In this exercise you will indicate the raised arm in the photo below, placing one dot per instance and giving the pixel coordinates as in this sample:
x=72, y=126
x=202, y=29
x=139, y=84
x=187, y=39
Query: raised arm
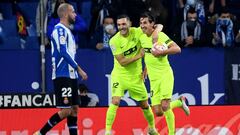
x=158, y=28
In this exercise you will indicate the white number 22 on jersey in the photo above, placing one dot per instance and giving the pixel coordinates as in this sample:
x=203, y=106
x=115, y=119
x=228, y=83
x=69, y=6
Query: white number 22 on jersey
x=66, y=92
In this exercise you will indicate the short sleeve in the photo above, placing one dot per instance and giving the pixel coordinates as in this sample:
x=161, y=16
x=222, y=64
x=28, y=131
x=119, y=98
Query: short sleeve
x=164, y=39
x=114, y=45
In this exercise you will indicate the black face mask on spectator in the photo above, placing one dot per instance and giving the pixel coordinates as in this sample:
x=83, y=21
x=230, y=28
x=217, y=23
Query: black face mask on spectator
x=191, y=24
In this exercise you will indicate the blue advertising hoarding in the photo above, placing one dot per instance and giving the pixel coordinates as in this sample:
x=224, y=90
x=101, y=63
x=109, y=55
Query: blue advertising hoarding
x=232, y=75
x=19, y=71
x=199, y=74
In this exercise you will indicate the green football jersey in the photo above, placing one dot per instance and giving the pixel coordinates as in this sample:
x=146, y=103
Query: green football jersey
x=155, y=65
x=128, y=46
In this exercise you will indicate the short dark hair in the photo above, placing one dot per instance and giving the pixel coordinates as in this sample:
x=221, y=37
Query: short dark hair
x=148, y=15
x=123, y=16
x=224, y=10
x=82, y=88
x=192, y=10
x=107, y=17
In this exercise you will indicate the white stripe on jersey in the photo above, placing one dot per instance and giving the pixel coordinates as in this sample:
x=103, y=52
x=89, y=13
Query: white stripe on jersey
x=61, y=67
x=53, y=68
x=60, y=61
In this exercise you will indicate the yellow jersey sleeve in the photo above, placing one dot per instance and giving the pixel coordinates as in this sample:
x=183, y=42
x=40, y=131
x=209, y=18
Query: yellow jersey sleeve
x=164, y=39
x=114, y=45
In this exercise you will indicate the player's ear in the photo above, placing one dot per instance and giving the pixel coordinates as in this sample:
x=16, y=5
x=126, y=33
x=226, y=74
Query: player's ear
x=153, y=25
x=65, y=14
x=129, y=23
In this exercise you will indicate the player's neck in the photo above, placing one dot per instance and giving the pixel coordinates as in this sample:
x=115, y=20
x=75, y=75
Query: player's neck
x=125, y=35
x=65, y=23
x=150, y=32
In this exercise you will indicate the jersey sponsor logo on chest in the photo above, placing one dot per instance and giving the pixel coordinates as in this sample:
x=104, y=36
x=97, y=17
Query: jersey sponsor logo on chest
x=129, y=51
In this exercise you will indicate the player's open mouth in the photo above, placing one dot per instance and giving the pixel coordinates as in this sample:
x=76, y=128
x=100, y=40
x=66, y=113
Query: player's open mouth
x=144, y=29
x=123, y=30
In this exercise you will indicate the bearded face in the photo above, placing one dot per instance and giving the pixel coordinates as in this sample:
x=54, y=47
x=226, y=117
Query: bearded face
x=71, y=20
x=123, y=25
x=71, y=15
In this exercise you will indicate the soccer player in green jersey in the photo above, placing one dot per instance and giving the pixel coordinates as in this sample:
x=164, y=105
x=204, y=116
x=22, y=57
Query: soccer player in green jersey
x=160, y=72
x=127, y=72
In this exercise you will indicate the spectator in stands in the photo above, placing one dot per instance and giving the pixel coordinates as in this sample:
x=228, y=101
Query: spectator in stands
x=191, y=31
x=224, y=35
x=86, y=98
x=157, y=9
x=134, y=8
x=213, y=8
x=215, y=5
x=210, y=28
x=100, y=38
x=199, y=8
x=102, y=8
x=79, y=28
x=48, y=8
x=22, y=23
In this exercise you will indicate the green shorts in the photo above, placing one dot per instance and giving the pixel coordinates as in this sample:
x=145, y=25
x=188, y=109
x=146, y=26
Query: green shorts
x=162, y=88
x=134, y=85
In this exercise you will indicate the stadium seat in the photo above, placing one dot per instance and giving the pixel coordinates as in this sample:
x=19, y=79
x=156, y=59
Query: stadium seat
x=6, y=9
x=9, y=27
x=32, y=43
x=29, y=10
x=11, y=43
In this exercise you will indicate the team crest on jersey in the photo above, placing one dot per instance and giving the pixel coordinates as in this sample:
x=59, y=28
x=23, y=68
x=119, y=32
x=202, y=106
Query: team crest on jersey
x=66, y=101
x=62, y=40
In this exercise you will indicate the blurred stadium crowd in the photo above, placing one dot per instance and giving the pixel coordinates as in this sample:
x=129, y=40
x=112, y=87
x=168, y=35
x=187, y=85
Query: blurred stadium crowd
x=192, y=23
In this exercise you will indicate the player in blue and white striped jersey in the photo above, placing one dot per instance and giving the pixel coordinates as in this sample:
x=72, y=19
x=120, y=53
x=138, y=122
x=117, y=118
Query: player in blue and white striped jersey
x=65, y=72
x=63, y=53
